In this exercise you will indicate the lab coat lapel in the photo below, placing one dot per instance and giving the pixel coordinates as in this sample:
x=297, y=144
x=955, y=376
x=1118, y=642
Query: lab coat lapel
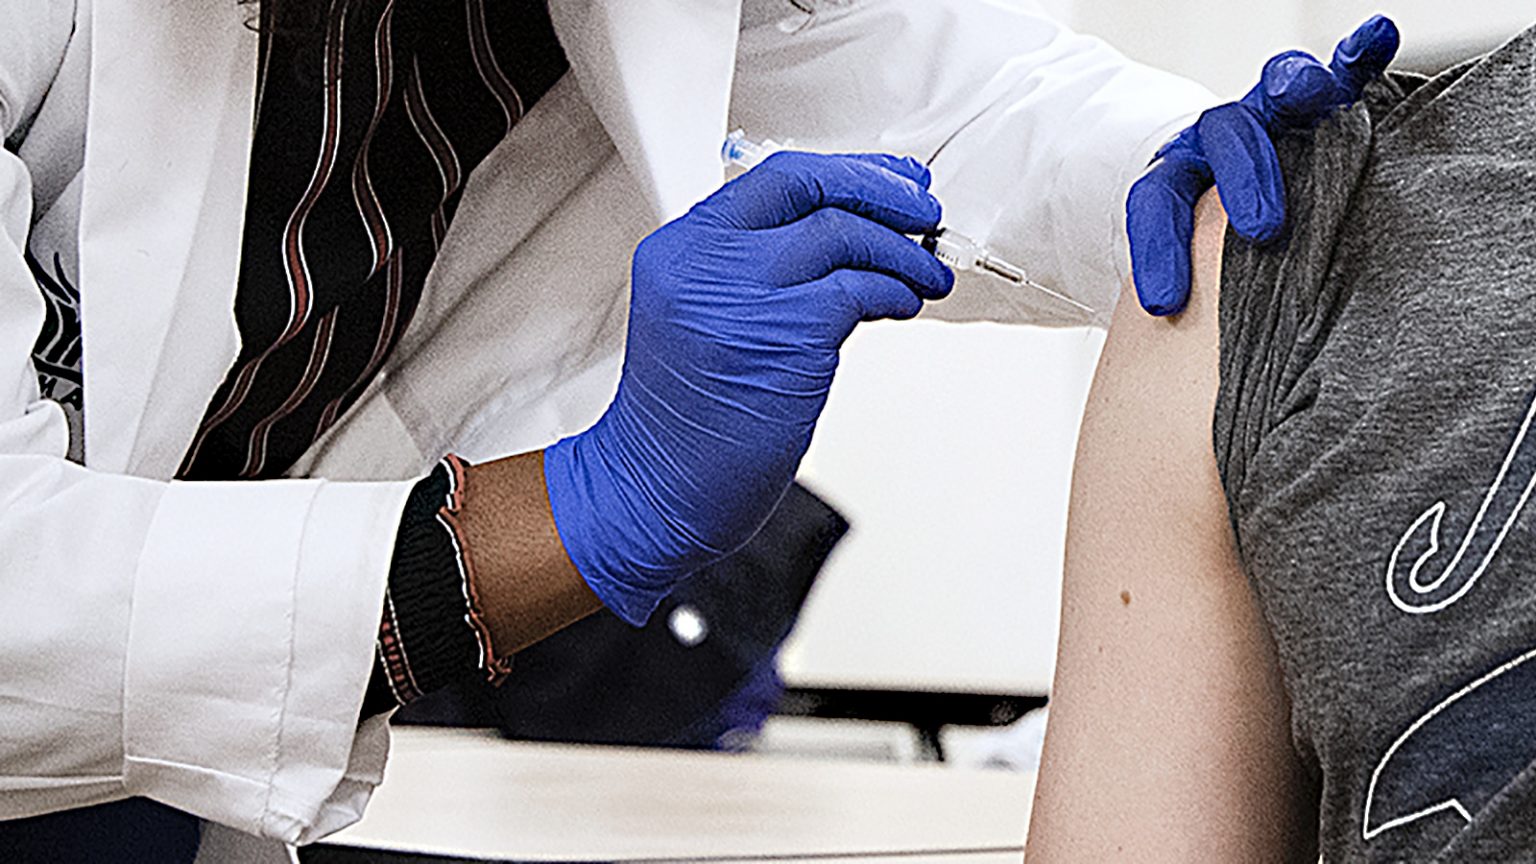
x=169, y=133
x=658, y=74
x=167, y=151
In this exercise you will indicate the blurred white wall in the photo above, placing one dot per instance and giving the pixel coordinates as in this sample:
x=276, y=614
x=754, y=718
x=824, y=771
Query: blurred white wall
x=949, y=448
x=1221, y=43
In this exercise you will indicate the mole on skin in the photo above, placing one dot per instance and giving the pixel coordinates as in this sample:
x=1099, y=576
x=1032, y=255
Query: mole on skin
x=1125, y=598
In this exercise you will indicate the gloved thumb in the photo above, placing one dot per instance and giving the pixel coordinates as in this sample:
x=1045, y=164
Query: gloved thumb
x=1160, y=220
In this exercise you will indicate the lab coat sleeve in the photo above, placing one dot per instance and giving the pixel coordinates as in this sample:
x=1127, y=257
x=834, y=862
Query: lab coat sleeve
x=206, y=645
x=1034, y=133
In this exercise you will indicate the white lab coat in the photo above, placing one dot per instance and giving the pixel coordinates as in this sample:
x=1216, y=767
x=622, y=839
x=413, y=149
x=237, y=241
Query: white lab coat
x=207, y=644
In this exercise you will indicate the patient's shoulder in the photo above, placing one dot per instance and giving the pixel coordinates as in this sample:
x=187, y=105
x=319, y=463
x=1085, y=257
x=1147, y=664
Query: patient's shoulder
x=1174, y=355
x=1147, y=423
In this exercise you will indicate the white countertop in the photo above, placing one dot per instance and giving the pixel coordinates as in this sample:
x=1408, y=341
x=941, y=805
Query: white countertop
x=452, y=792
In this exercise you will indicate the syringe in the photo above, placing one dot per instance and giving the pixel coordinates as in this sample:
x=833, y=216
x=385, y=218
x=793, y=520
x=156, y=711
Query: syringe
x=951, y=247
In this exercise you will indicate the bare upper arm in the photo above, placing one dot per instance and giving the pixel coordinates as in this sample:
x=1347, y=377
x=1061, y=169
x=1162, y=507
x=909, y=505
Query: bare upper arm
x=1169, y=736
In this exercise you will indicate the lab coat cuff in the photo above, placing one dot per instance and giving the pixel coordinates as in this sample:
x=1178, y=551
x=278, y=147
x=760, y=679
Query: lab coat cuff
x=250, y=645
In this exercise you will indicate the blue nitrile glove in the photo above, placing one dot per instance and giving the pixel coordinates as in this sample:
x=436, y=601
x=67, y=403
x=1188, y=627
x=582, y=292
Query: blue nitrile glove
x=1230, y=146
x=737, y=313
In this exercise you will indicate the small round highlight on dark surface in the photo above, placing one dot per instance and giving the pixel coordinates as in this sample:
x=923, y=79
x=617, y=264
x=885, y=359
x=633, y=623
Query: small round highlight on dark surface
x=1125, y=598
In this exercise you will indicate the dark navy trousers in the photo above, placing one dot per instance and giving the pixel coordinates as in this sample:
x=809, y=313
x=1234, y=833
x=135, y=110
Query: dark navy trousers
x=135, y=831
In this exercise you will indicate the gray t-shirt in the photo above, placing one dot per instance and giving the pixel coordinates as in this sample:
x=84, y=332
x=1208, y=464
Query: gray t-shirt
x=1372, y=430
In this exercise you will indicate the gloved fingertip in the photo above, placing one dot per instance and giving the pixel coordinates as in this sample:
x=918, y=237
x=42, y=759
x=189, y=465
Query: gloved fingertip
x=1158, y=292
x=891, y=190
x=1373, y=44
x=1273, y=75
x=919, y=172
x=1160, y=309
x=1298, y=88
x=936, y=281
x=906, y=166
x=1365, y=54
x=921, y=215
x=1182, y=145
x=1264, y=228
x=945, y=287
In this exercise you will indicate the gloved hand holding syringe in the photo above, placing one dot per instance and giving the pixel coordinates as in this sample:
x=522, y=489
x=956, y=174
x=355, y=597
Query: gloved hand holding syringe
x=958, y=251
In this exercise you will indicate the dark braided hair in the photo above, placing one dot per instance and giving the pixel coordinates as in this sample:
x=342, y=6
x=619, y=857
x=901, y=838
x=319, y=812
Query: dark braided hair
x=300, y=24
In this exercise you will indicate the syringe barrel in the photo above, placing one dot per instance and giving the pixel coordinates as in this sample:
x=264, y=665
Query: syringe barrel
x=956, y=250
